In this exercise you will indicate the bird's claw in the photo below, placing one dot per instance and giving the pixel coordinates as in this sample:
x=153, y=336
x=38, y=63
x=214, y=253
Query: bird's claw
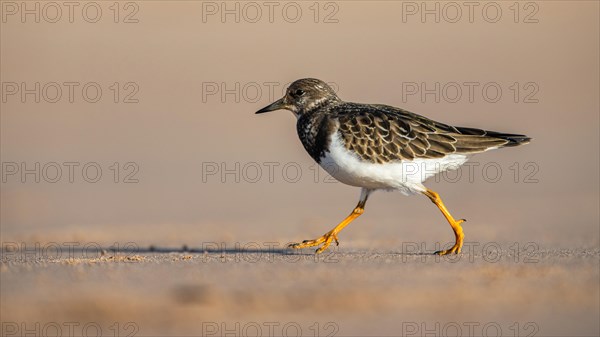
x=454, y=250
x=457, y=245
x=325, y=240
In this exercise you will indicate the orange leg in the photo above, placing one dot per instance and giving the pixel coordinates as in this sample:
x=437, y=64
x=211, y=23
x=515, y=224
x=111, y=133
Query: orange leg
x=455, y=224
x=330, y=236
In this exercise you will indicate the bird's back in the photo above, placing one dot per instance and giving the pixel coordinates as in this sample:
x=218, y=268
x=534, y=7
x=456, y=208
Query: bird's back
x=381, y=133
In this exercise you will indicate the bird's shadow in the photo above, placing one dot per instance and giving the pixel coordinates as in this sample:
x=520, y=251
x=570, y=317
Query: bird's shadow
x=132, y=249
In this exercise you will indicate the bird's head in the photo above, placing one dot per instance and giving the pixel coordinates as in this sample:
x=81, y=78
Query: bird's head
x=303, y=96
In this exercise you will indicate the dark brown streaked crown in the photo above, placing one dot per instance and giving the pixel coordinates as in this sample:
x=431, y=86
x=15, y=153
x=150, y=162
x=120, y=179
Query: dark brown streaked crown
x=304, y=96
x=310, y=99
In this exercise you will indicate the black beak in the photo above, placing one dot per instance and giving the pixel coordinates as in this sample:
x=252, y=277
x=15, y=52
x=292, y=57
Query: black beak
x=272, y=107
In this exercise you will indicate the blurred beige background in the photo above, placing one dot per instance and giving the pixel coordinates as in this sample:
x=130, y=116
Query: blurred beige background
x=171, y=54
x=180, y=126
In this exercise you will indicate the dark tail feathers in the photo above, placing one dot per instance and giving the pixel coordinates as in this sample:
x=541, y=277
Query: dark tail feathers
x=513, y=139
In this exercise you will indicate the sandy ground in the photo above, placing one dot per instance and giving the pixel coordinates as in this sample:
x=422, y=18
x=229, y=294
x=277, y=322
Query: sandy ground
x=499, y=289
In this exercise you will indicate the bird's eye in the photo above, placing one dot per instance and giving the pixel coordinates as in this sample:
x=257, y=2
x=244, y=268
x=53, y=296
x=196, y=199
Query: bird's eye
x=298, y=92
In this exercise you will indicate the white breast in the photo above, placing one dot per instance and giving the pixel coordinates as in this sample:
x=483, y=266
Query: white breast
x=405, y=176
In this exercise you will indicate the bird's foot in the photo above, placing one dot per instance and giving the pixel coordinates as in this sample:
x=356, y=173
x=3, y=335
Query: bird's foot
x=454, y=250
x=459, y=240
x=326, y=240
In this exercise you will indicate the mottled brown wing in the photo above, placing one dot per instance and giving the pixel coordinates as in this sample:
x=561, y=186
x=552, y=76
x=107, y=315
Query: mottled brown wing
x=381, y=134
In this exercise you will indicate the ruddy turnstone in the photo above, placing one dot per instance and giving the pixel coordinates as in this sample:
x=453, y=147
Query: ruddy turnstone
x=380, y=147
